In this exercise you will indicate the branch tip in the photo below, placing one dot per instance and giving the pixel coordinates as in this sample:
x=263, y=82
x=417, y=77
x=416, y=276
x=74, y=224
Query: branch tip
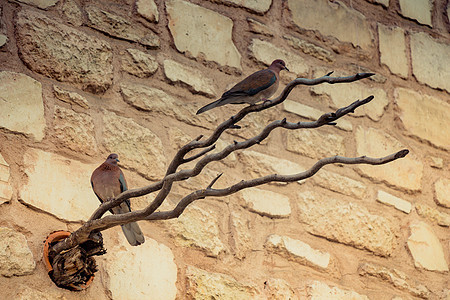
x=329, y=73
x=401, y=153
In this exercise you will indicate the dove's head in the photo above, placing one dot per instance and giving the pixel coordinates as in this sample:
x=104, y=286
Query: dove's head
x=278, y=65
x=112, y=159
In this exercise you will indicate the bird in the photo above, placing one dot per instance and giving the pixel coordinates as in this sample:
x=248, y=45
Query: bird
x=254, y=88
x=107, y=182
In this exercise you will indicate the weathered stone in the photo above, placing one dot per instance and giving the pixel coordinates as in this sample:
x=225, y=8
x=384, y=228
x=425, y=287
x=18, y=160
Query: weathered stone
x=125, y=265
x=343, y=94
x=309, y=48
x=426, y=248
x=311, y=113
x=355, y=29
x=419, y=10
x=385, y=3
x=260, y=6
x=70, y=97
x=441, y=190
x=139, y=63
x=424, y=116
x=42, y=4
x=194, y=78
x=347, y=223
x=340, y=184
x=266, y=203
x=202, y=33
x=315, y=144
x=394, y=201
x=258, y=27
x=405, y=173
x=21, y=105
x=5, y=188
x=72, y=12
x=140, y=149
x=71, y=198
x=3, y=40
x=430, y=61
x=74, y=131
x=393, y=49
x=26, y=293
x=267, y=52
x=154, y=100
x=198, y=228
x=436, y=162
x=16, y=258
x=395, y=277
x=63, y=53
x=148, y=9
x=298, y=251
x=433, y=214
x=120, y=27
x=4, y=169
x=320, y=290
x=205, y=285
x=241, y=237
x=278, y=289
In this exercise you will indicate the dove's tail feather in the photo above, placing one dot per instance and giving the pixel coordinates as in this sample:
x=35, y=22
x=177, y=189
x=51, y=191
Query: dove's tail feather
x=211, y=105
x=133, y=234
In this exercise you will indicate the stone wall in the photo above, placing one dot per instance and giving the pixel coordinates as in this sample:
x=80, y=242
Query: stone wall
x=80, y=79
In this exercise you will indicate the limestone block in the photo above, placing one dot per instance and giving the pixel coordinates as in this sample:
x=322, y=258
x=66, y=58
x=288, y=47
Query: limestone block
x=320, y=290
x=74, y=131
x=430, y=61
x=441, y=190
x=148, y=10
x=138, y=147
x=3, y=40
x=241, y=238
x=340, y=184
x=26, y=293
x=5, y=187
x=395, y=277
x=332, y=19
x=278, y=289
x=72, y=12
x=266, y=203
x=267, y=52
x=198, y=228
x=393, y=49
x=144, y=272
x=314, y=144
x=419, y=10
x=120, y=27
x=42, y=4
x=21, y=108
x=385, y=3
x=433, y=214
x=436, y=162
x=426, y=249
x=260, y=6
x=309, y=48
x=194, y=78
x=398, y=203
x=202, y=33
x=16, y=258
x=139, y=63
x=298, y=251
x=405, y=173
x=424, y=116
x=71, y=196
x=347, y=223
x=72, y=98
x=46, y=46
x=205, y=285
x=258, y=27
x=344, y=94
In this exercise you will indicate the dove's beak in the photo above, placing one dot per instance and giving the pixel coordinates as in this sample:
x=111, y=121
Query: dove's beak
x=286, y=68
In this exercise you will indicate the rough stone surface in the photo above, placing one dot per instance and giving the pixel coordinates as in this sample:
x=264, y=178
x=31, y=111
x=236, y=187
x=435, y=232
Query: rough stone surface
x=267, y=52
x=120, y=27
x=148, y=10
x=42, y=4
x=16, y=258
x=70, y=97
x=393, y=49
x=76, y=201
x=405, y=173
x=344, y=94
x=198, y=228
x=340, y=184
x=127, y=278
x=202, y=33
x=436, y=162
x=74, y=131
x=260, y=6
x=140, y=148
x=46, y=45
x=394, y=201
x=21, y=100
x=3, y=40
x=266, y=203
x=320, y=290
x=385, y=3
x=72, y=12
x=430, y=61
x=355, y=29
x=241, y=237
x=424, y=116
x=441, y=189
x=433, y=214
x=309, y=48
x=139, y=63
x=278, y=289
x=298, y=251
x=419, y=10
x=395, y=277
x=205, y=285
x=26, y=293
x=315, y=144
x=426, y=249
x=5, y=187
x=194, y=78
x=346, y=223
x=258, y=27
